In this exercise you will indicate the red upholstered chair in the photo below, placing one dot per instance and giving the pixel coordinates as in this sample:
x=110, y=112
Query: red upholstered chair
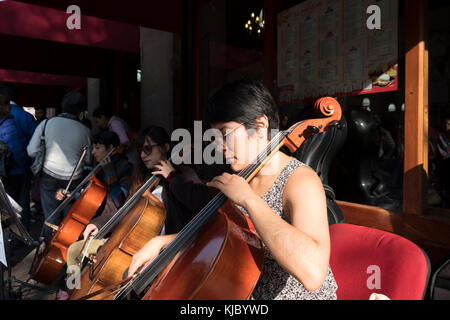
x=359, y=255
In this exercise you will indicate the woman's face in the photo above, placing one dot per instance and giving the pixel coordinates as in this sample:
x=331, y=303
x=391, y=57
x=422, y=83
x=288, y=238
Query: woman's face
x=239, y=145
x=99, y=151
x=153, y=153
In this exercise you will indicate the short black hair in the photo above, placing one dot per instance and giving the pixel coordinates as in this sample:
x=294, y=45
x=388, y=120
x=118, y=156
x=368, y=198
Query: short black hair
x=102, y=111
x=72, y=103
x=4, y=96
x=106, y=138
x=243, y=101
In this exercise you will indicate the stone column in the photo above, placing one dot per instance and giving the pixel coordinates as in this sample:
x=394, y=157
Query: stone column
x=157, y=56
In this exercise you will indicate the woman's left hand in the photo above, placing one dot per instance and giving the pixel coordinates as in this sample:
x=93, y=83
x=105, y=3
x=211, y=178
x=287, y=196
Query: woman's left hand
x=163, y=168
x=234, y=187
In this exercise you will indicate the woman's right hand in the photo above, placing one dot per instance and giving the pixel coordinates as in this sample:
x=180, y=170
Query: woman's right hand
x=90, y=229
x=60, y=195
x=149, y=252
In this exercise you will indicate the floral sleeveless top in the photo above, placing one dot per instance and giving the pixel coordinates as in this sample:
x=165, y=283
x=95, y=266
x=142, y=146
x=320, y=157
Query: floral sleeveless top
x=275, y=283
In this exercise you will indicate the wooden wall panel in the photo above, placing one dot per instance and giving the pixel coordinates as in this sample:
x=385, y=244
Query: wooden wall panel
x=416, y=102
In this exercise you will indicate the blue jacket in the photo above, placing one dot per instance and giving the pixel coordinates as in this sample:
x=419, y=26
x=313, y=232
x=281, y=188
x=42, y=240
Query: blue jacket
x=16, y=142
x=25, y=122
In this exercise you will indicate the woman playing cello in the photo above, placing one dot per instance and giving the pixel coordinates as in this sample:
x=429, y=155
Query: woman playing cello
x=178, y=191
x=181, y=191
x=285, y=200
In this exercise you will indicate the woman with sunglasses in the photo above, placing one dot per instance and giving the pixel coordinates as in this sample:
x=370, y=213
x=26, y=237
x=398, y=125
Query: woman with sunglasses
x=181, y=191
x=285, y=200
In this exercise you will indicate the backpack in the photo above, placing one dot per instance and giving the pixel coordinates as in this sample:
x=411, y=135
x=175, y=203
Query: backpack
x=5, y=159
x=440, y=281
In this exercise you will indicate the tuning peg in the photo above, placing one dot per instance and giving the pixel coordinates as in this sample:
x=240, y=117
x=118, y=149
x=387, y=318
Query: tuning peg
x=312, y=129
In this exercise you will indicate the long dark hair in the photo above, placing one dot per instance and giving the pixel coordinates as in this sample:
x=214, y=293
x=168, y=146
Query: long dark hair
x=243, y=101
x=140, y=172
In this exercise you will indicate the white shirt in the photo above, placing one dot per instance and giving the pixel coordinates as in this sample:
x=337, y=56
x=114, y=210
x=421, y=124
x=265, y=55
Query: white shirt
x=157, y=192
x=65, y=139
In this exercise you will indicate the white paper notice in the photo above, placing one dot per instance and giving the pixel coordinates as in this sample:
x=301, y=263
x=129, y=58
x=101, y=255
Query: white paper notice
x=354, y=64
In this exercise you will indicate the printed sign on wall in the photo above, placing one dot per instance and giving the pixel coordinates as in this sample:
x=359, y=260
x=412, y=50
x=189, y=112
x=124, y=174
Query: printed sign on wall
x=337, y=48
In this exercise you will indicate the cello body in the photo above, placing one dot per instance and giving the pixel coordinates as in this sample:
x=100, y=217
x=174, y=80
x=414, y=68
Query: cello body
x=222, y=262
x=142, y=223
x=54, y=257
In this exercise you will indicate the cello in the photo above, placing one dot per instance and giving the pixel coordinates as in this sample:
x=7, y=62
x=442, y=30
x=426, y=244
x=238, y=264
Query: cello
x=140, y=219
x=201, y=262
x=54, y=256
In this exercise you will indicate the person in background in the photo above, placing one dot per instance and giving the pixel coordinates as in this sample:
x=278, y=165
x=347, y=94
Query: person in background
x=24, y=120
x=284, y=122
x=65, y=138
x=106, y=120
x=16, y=183
x=443, y=159
x=40, y=113
x=26, y=125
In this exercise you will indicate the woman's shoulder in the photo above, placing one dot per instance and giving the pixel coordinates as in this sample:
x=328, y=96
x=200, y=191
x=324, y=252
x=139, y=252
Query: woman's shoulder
x=301, y=176
x=290, y=165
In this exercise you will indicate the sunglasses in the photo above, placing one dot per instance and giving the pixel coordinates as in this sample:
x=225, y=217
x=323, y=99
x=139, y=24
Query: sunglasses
x=147, y=149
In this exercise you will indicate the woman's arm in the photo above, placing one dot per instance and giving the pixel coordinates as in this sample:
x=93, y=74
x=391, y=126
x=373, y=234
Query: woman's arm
x=149, y=252
x=185, y=185
x=301, y=248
